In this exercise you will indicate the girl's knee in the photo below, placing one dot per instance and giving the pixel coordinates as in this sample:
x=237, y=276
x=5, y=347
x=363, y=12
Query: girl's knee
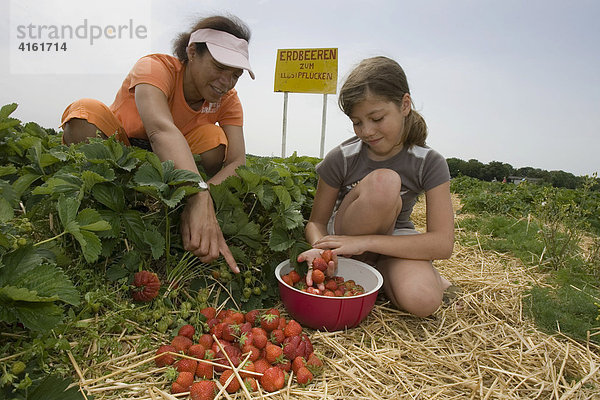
x=419, y=303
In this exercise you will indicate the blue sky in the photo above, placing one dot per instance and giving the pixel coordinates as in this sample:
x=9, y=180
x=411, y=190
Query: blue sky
x=511, y=81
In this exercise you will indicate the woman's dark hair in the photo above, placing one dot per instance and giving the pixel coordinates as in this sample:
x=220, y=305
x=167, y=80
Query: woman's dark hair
x=382, y=77
x=229, y=24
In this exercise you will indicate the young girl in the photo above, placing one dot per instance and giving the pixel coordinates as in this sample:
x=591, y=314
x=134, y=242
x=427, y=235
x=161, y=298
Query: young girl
x=369, y=184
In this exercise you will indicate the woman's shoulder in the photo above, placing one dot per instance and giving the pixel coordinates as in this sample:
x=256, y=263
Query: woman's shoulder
x=165, y=60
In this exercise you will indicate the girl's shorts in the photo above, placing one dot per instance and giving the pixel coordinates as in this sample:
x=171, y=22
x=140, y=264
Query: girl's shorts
x=397, y=232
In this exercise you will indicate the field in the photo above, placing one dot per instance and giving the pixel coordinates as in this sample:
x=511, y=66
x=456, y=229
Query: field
x=76, y=223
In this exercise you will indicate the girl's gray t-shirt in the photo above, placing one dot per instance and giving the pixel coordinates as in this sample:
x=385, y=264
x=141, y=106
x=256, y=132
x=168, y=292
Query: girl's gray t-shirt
x=420, y=169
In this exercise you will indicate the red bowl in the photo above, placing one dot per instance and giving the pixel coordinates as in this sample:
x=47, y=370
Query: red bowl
x=332, y=313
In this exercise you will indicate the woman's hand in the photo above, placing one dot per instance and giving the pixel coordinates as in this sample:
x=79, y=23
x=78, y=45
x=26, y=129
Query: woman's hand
x=201, y=233
x=309, y=256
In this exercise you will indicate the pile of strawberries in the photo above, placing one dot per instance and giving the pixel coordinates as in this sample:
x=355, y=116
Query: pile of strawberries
x=334, y=286
x=268, y=346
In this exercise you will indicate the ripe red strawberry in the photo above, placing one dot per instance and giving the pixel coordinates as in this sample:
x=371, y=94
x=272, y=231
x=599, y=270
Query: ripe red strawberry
x=318, y=276
x=314, y=364
x=327, y=255
x=261, y=365
x=231, y=332
x=291, y=347
x=273, y=379
x=253, y=350
x=284, y=364
x=273, y=352
x=206, y=340
x=277, y=336
x=248, y=367
x=331, y=285
x=196, y=351
x=251, y=316
x=282, y=323
x=287, y=280
x=237, y=317
x=181, y=343
x=304, y=376
x=292, y=328
x=186, y=365
x=260, y=341
x=165, y=359
x=209, y=313
x=250, y=384
x=269, y=321
x=204, y=370
x=295, y=276
x=319, y=264
x=234, y=384
x=145, y=286
x=297, y=363
x=187, y=331
x=183, y=382
x=204, y=390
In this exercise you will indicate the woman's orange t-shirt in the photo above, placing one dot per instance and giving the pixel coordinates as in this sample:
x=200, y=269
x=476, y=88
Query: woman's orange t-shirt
x=166, y=73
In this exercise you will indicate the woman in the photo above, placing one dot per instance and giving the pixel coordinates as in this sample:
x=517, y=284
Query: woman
x=171, y=105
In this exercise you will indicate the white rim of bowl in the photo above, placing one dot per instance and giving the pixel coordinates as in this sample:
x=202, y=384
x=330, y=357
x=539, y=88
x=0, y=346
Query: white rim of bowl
x=362, y=264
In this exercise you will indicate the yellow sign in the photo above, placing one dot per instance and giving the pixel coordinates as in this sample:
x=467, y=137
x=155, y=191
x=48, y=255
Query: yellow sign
x=306, y=70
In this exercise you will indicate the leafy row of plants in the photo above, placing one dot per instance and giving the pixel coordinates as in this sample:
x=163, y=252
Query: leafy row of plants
x=77, y=222
x=553, y=229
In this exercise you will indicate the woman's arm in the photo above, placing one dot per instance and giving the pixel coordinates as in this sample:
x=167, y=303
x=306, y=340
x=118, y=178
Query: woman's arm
x=437, y=243
x=236, y=153
x=168, y=143
x=200, y=230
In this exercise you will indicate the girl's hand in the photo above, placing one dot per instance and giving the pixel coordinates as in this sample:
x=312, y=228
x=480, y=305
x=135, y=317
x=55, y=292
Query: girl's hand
x=342, y=245
x=309, y=256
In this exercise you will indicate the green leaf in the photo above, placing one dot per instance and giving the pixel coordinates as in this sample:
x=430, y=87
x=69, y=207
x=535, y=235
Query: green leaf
x=283, y=195
x=11, y=293
x=35, y=316
x=175, y=197
x=156, y=164
x=6, y=211
x=24, y=182
x=53, y=387
x=251, y=178
x=67, y=209
x=156, y=242
x=89, y=219
x=266, y=196
x=7, y=170
x=148, y=175
x=90, y=246
x=91, y=178
x=134, y=227
x=280, y=240
x=110, y=195
x=6, y=110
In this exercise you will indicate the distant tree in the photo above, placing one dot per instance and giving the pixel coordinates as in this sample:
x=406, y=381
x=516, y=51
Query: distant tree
x=564, y=179
x=456, y=166
x=496, y=170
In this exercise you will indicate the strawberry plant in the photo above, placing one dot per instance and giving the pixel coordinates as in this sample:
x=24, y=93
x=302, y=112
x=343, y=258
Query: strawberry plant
x=77, y=222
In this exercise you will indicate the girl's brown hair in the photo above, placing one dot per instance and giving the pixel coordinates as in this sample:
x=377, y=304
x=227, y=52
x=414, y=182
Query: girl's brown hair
x=230, y=24
x=382, y=77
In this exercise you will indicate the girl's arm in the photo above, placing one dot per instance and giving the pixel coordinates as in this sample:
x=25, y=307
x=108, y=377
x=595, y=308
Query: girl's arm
x=437, y=243
x=236, y=153
x=323, y=204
